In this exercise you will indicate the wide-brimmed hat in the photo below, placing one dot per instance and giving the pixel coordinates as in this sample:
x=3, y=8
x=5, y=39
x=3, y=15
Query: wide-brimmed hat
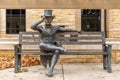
x=48, y=13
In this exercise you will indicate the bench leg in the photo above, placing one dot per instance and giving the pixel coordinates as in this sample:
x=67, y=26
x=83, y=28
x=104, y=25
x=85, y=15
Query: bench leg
x=104, y=62
x=17, y=63
x=109, y=63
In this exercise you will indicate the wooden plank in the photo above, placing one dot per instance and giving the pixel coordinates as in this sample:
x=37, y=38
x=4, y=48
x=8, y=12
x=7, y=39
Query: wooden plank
x=91, y=33
x=29, y=38
x=67, y=53
x=81, y=43
x=69, y=33
x=30, y=43
x=60, y=37
x=29, y=33
x=34, y=53
x=83, y=37
x=66, y=43
x=84, y=53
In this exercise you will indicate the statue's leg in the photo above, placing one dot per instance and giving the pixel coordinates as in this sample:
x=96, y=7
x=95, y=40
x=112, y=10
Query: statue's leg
x=50, y=58
x=51, y=47
x=44, y=60
x=53, y=63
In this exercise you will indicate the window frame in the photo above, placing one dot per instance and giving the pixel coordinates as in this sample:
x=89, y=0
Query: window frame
x=11, y=15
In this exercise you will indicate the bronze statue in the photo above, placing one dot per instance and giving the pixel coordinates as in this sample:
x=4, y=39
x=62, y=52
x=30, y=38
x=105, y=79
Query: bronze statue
x=48, y=43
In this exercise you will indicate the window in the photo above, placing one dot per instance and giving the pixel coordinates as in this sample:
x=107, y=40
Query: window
x=91, y=20
x=15, y=21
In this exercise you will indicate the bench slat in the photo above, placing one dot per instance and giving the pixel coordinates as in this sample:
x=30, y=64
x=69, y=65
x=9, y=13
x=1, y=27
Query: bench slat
x=67, y=53
x=65, y=43
x=30, y=43
x=89, y=33
x=21, y=33
x=82, y=43
x=95, y=33
x=81, y=38
x=29, y=38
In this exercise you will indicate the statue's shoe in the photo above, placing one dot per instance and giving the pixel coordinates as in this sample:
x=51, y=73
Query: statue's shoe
x=50, y=74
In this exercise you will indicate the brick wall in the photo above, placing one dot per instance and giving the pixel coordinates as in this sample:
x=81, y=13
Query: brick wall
x=113, y=23
x=62, y=16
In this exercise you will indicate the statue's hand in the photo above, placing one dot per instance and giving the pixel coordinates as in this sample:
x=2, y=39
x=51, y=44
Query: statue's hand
x=43, y=18
x=79, y=32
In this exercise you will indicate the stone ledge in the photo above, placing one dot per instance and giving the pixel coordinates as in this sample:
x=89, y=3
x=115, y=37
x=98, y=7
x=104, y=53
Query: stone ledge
x=9, y=43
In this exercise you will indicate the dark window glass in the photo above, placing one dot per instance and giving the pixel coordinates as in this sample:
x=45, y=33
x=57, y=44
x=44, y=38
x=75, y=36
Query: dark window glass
x=91, y=20
x=16, y=12
x=15, y=21
x=22, y=11
x=8, y=12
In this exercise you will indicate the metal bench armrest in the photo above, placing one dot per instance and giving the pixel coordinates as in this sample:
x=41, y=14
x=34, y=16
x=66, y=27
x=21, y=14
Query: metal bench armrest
x=107, y=47
x=17, y=47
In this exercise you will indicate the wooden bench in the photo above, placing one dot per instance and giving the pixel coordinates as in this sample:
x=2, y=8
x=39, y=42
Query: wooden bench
x=86, y=43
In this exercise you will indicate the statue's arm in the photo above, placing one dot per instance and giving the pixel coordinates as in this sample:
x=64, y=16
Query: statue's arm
x=67, y=30
x=34, y=26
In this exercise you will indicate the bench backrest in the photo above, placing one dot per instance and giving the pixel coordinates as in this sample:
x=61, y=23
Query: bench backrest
x=29, y=38
x=66, y=38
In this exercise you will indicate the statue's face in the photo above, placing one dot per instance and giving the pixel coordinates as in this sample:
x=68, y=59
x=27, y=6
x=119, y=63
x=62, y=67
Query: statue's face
x=48, y=20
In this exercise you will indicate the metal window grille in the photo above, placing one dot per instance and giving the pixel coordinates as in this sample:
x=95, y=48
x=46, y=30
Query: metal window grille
x=91, y=20
x=15, y=21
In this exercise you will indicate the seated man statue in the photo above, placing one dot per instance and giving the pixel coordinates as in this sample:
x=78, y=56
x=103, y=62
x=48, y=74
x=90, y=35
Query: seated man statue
x=48, y=43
